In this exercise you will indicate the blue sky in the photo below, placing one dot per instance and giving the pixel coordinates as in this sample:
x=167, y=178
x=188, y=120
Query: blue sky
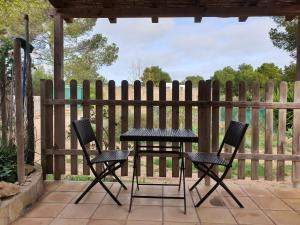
x=182, y=47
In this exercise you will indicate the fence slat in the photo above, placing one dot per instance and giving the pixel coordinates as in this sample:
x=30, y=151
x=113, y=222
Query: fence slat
x=281, y=131
x=111, y=116
x=188, y=125
x=255, y=131
x=242, y=118
x=149, y=124
x=99, y=120
x=73, y=95
x=86, y=114
x=124, y=123
x=201, y=119
x=207, y=136
x=59, y=130
x=215, y=120
x=228, y=116
x=296, y=138
x=162, y=125
x=175, y=125
x=269, y=130
x=137, y=116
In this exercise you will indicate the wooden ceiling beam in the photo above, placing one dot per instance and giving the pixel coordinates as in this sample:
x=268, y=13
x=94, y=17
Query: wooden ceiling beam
x=112, y=20
x=93, y=12
x=290, y=18
x=154, y=19
x=197, y=19
x=243, y=19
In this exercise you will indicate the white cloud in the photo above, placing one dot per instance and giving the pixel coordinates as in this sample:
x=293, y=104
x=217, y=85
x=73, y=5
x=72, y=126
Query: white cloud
x=182, y=47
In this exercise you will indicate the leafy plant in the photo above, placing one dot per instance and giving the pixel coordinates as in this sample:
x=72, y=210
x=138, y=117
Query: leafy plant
x=8, y=163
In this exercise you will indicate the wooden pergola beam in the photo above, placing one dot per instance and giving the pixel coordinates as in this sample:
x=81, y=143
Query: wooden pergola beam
x=243, y=19
x=94, y=12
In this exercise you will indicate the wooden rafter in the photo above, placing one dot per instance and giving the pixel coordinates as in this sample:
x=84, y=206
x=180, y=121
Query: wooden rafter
x=243, y=19
x=93, y=12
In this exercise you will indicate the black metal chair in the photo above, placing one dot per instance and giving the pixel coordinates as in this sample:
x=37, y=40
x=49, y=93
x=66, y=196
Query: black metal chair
x=206, y=161
x=112, y=160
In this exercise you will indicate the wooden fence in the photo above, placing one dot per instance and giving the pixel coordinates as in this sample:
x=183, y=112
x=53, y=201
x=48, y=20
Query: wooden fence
x=201, y=114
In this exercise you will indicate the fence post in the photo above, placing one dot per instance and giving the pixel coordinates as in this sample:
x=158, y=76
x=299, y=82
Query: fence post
x=188, y=124
x=281, y=131
x=175, y=125
x=269, y=130
x=99, y=120
x=242, y=118
x=215, y=119
x=43, y=126
x=73, y=95
x=86, y=114
x=149, y=124
x=162, y=125
x=228, y=116
x=137, y=115
x=124, y=122
x=296, y=138
x=255, y=131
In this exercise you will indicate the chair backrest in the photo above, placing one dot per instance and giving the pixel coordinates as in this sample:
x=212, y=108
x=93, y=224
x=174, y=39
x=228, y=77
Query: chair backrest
x=85, y=134
x=233, y=137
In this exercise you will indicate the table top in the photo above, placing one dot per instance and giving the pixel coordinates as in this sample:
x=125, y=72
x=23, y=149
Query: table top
x=157, y=134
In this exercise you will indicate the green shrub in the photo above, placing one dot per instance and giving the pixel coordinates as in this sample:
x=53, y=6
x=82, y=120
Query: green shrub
x=8, y=163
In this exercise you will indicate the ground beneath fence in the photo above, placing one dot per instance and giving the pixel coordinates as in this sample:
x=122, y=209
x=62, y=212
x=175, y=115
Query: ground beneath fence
x=265, y=203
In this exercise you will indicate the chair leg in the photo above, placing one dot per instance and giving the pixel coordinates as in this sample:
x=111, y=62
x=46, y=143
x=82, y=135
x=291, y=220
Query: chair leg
x=86, y=190
x=108, y=191
x=201, y=178
x=115, y=176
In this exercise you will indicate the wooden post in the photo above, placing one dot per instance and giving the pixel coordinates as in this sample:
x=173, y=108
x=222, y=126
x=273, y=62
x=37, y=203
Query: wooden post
x=162, y=125
x=296, y=138
x=99, y=120
x=175, y=125
x=149, y=124
x=58, y=49
x=269, y=131
x=255, y=131
x=298, y=52
x=137, y=115
x=188, y=125
x=215, y=121
x=228, y=116
x=74, y=141
x=124, y=123
x=242, y=118
x=3, y=98
x=19, y=113
x=281, y=131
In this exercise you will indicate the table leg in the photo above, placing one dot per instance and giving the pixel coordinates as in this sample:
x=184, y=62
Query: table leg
x=133, y=175
x=183, y=174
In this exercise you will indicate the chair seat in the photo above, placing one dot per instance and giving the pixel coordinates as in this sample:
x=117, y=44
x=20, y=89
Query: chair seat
x=111, y=156
x=202, y=157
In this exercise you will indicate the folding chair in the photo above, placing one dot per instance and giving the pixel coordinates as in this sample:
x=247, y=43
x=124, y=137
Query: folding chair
x=112, y=160
x=206, y=161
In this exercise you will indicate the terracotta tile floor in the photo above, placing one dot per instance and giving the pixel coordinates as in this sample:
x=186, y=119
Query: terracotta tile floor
x=265, y=203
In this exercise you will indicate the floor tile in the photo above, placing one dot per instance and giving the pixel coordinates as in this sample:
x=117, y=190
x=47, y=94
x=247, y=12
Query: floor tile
x=293, y=203
x=45, y=210
x=145, y=189
x=70, y=222
x=211, y=201
x=208, y=215
x=51, y=185
x=236, y=190
x=285, y=192
x=270, y=203
x=93, y=197
x=124, y=199
x=175, y=223
x=284, y=217
x=111, y=212
x=99, y=188
x=71, y=186
x=59, y=197
x=176, y=214
x=257, y=191
x=33, y=221
x=250, y=216
x=137, y=222
x=107, y=222
x=115, y=188
x=78, y=211
x=178, y=202
x=246, y=202
x=147, y=201
x=147, y=213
